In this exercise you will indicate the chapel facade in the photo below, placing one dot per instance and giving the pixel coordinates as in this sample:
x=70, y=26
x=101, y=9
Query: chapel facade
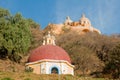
x=50, y=59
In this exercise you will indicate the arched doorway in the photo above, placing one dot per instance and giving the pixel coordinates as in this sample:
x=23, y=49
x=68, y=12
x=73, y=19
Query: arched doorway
x=54, y=70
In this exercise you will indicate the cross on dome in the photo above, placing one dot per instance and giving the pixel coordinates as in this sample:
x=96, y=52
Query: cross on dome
x=83, y=15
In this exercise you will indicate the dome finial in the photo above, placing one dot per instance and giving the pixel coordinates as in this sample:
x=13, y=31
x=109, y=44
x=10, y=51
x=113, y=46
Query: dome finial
x=83, y=15
x=49, y=39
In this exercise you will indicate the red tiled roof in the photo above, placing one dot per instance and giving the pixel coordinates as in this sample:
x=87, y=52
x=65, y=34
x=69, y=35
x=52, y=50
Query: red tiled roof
x=49, y=52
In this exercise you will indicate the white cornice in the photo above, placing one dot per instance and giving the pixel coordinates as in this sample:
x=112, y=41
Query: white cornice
x=49, y=60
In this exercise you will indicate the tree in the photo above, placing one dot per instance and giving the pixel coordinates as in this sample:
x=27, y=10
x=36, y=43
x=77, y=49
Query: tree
x=86, y=61
x=15, y=36
x=37, y=34
x=4, y=13
x=113, y=65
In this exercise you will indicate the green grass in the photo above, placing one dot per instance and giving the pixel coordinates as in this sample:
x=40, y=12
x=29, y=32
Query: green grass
x=31, y=76
x=7, y=78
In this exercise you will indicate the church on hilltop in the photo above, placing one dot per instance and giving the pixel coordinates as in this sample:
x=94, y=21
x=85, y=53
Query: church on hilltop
x=82, y=26
x=50, y=59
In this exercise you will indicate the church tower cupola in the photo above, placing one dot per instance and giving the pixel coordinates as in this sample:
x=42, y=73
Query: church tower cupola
x=49, y=39
x=68, y=21
x=85, y=22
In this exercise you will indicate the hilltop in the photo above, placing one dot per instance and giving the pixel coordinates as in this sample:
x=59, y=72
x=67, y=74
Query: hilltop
x=81, y=27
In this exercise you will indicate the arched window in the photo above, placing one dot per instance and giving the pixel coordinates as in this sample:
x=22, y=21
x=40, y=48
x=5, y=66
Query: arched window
x=54, y=70
x=85, y=30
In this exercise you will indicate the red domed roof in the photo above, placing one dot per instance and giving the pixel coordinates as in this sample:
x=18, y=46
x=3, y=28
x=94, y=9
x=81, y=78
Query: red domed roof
x=49, y=52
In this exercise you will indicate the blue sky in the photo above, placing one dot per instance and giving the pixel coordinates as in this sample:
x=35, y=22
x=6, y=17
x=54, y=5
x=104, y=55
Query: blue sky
x=104, y=14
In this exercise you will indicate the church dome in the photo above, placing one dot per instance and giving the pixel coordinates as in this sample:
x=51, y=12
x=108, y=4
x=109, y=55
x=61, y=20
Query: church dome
x=52, y=52
x=85, y=21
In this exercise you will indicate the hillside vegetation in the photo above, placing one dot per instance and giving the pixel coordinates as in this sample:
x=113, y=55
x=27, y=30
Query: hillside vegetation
x=92, y=54
x=31, y=76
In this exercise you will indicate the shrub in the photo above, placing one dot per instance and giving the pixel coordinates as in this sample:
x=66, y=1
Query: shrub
x=29, y=69
x=7, y=78
x=27, y=79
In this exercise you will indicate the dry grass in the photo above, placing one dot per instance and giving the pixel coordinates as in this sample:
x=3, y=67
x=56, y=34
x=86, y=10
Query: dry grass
x=7, y=65
x=31, y=76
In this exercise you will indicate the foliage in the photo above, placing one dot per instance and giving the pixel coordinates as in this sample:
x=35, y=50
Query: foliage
x=37, y=34
x=7, y=78
x=113, y=65
x=15, y=36
x=29, y=69
x=89, y=52
x=83, y=57
x=4, y=13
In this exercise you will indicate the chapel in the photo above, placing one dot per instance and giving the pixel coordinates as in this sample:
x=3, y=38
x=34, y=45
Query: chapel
x=50, y=58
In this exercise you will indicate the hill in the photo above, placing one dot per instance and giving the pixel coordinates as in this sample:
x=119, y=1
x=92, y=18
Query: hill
x=93, y=54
